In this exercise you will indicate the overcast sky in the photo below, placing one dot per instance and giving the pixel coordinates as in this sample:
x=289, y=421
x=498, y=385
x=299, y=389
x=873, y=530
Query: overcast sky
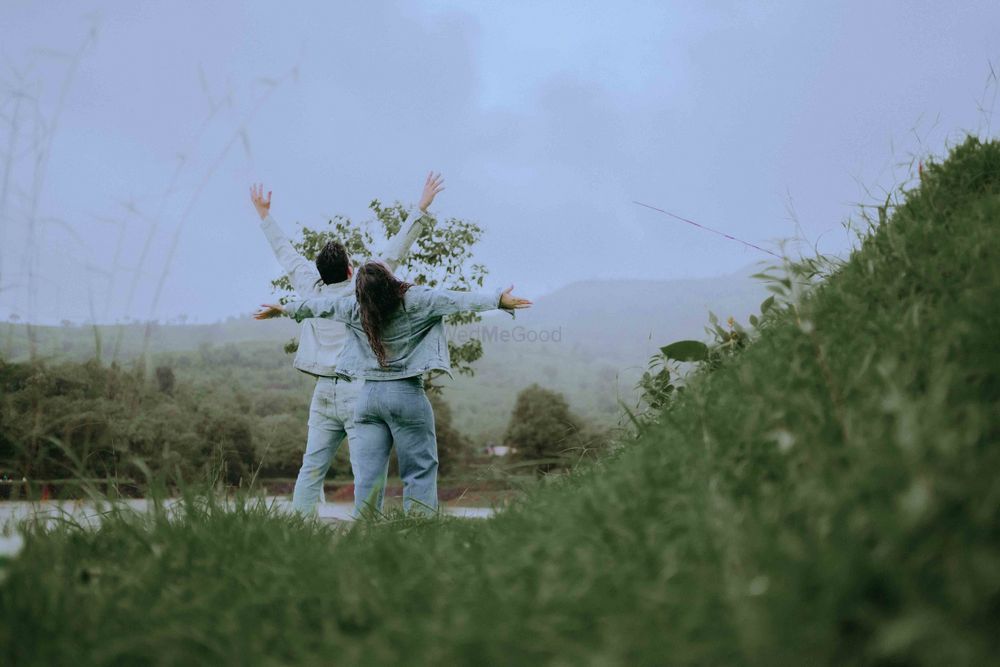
x=148, y=121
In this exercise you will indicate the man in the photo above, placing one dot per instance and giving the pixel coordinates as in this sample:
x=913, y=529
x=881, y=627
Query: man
x=320, y=341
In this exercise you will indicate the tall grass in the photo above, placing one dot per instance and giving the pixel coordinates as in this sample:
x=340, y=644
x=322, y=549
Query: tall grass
x=29, y=124
x=827, y=496
x=238, y=136
x=25, y=156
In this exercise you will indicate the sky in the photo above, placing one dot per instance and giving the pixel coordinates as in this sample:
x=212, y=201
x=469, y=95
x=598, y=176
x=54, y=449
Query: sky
x=131, y=132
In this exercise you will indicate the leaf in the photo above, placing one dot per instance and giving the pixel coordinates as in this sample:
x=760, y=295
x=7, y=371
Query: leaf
x=686, y=350
x=754, y=321
x=766, y=304
x=630, y=414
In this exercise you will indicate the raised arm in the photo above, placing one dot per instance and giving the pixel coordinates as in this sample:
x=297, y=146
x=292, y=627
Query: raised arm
x=398, y=247
x=301, y=272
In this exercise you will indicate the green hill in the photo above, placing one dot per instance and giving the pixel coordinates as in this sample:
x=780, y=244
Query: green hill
x=828, y=495
x=124, y=342
x=605, y=332
x=589, y=341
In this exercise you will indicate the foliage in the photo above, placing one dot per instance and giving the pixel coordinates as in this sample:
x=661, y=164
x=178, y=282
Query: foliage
x=219, y=412
x=62, y=420
x=542, y=429
x=439, y=258
x=454, y=449
x=165, y=379
x=665, y=371
x=826, y=496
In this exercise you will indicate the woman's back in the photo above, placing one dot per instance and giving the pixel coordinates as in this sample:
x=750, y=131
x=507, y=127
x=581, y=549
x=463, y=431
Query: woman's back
x=413, y=335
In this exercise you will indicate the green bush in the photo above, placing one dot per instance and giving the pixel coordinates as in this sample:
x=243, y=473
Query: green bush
x=542, y=429
x=826, y=496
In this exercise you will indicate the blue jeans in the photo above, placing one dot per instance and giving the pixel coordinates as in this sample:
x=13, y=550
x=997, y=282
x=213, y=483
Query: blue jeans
x=331, y=417
x=387, y=412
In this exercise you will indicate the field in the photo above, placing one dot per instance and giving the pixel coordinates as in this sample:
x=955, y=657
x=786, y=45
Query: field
x=591, y=364
x=827, y=495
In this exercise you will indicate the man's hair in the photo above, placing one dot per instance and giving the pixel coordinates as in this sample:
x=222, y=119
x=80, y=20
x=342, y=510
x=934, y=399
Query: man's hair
x=332, y=263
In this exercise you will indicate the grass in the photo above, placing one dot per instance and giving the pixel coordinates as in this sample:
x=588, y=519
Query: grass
x=830, y=495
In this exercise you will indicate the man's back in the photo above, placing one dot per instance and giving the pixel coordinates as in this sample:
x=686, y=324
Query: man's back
x=321, y=340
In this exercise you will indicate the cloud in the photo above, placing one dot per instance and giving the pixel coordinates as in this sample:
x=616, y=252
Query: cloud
x=546, y=123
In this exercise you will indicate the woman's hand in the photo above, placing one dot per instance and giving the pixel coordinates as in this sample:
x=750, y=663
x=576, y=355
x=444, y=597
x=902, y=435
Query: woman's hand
x=432, y=186
x=510, y=302
x=262, y=205
x=267, y=311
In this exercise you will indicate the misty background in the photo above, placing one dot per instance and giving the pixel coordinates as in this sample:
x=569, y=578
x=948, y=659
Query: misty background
x=765, y=120
x=130, y=136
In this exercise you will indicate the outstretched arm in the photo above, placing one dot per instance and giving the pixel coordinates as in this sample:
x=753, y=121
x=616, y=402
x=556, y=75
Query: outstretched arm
x=334, y=308
x=445, y=302
x=301, y=272
x=399, y=245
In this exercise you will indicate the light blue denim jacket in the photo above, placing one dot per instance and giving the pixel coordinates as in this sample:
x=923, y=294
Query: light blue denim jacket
x=321, y=340
x=414, y=338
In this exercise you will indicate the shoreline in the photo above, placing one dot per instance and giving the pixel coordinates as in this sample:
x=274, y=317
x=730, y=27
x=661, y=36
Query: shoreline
x=88, y=513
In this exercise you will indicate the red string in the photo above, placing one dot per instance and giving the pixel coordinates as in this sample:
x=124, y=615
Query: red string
x=708, y=229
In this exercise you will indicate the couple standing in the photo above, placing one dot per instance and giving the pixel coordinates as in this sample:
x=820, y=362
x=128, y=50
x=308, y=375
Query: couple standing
x=368, y=338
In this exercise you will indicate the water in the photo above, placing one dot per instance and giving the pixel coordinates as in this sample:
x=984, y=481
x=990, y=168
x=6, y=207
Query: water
x=85, y=512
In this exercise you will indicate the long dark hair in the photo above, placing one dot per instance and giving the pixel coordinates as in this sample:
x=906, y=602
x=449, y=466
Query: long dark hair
x=379, y=294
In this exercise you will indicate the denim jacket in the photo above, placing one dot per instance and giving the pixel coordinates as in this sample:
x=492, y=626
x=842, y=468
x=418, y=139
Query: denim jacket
x=414, y=337
x=321, y=340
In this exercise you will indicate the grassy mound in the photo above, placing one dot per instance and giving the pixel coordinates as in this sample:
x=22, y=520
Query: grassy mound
x=829, y=496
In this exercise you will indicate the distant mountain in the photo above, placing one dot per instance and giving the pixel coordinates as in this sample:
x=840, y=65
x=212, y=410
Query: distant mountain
x=625, y=320
x=591, y=341
x=124, y=342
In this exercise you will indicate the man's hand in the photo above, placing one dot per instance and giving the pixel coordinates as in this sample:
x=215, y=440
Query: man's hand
x=262, y=205
x=510, y=302
x=267, y=311
x=432, y=186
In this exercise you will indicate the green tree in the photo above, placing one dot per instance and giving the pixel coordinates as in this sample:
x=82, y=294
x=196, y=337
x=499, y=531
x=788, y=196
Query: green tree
x=542, y=428
x=454, y=448
x=165, y=379
x=228, y=447
x=439, y=258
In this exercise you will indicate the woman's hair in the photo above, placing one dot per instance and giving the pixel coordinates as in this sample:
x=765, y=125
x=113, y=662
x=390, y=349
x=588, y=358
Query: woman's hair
x=379, y=294
x=332, y=262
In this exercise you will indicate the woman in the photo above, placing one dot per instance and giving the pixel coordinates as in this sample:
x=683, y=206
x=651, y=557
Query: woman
x=395, y=335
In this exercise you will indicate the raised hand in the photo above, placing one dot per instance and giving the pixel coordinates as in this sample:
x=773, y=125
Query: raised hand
x=262, y=205
x=267, y=311
x=432, y=186
x=510, y=302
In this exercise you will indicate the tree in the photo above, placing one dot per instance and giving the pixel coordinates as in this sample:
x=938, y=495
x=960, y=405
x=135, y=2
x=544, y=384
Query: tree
x=439, y=258
x=228, y=447
x=542, y=428
x=453, y=447
x=165, y=379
